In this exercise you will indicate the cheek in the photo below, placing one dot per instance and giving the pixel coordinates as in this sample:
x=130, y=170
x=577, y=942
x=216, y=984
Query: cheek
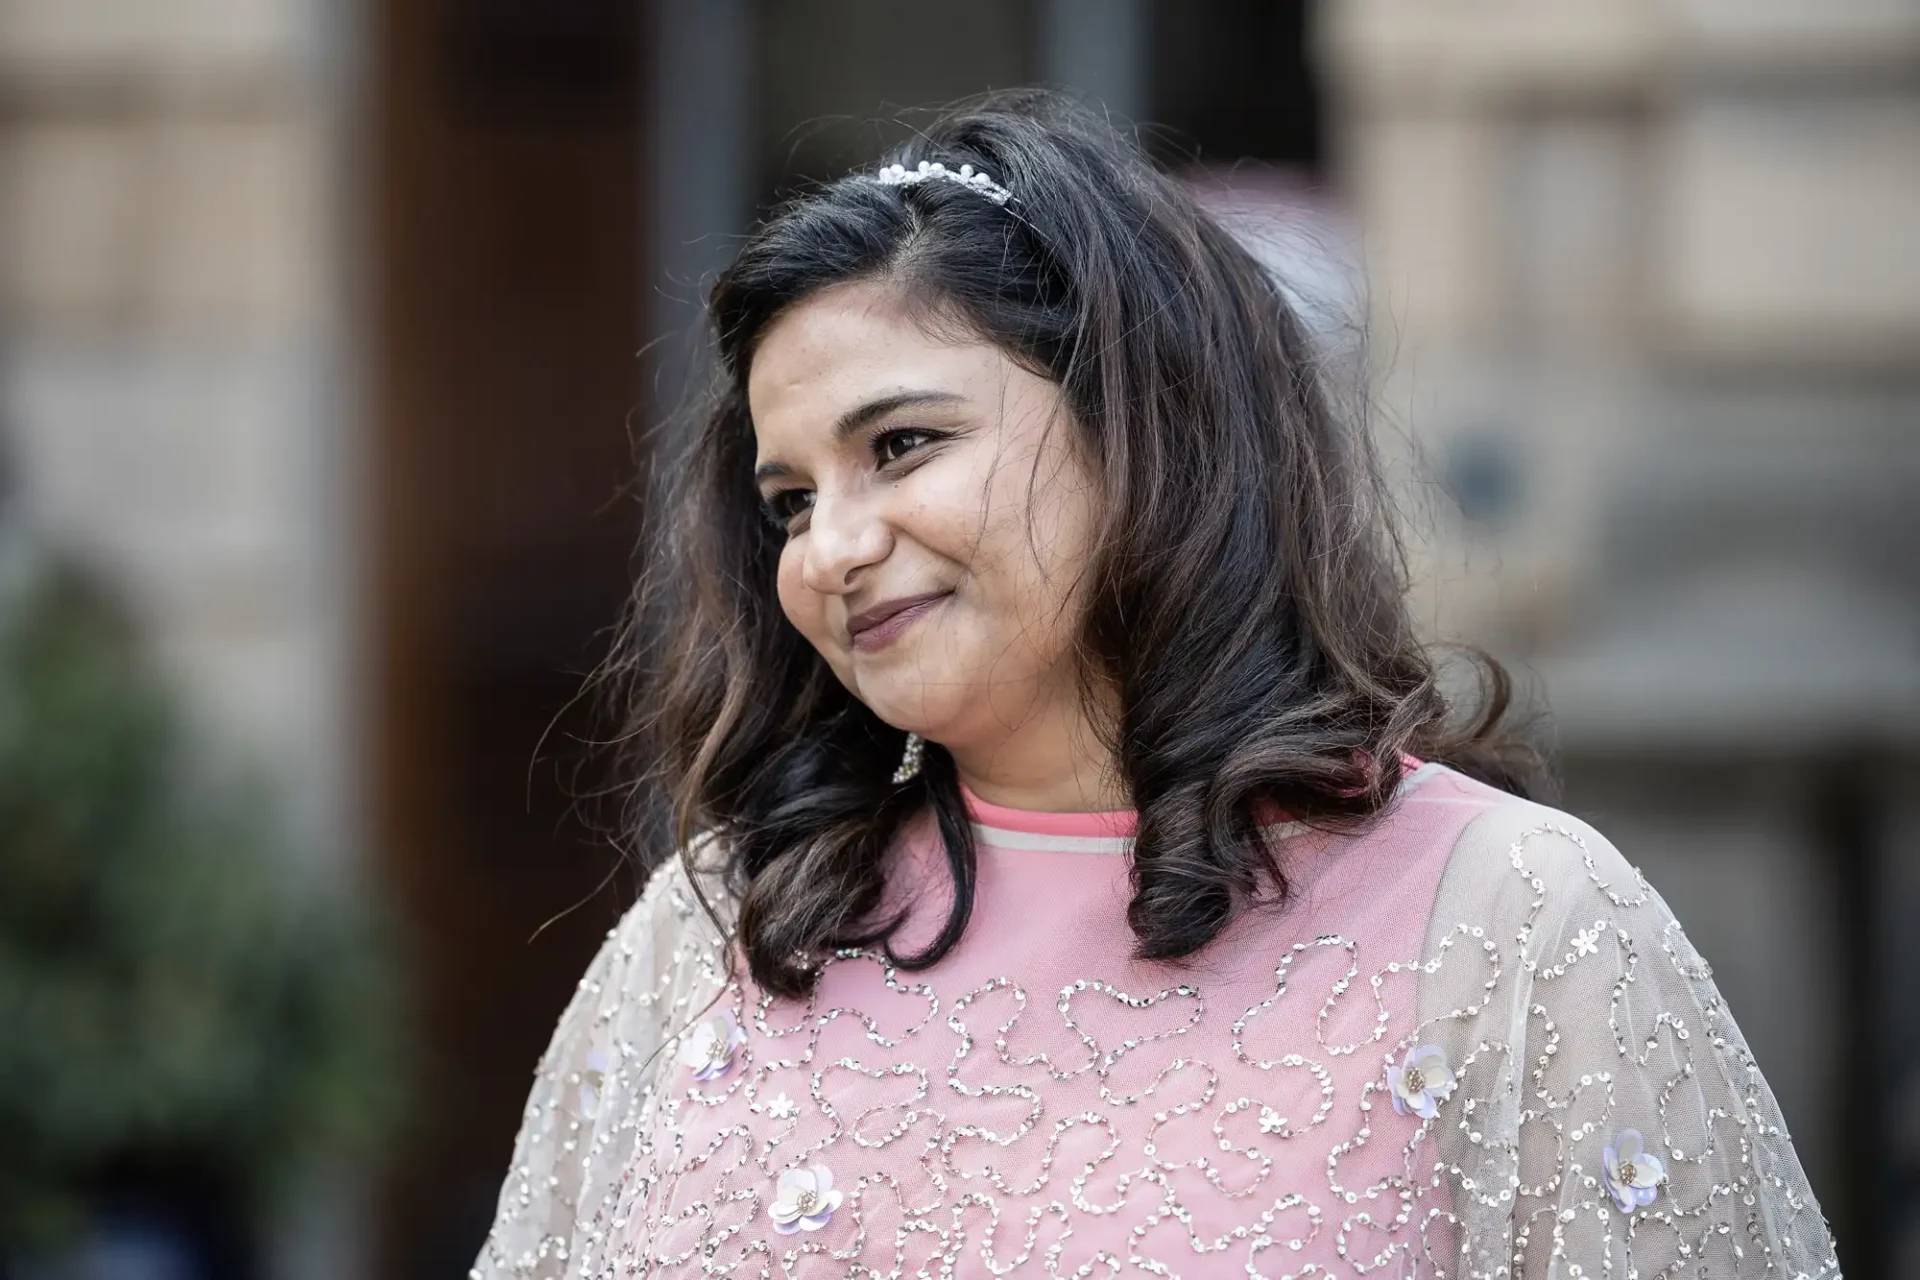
x=804, y=609
x=1039, y=527
x=1031, y=556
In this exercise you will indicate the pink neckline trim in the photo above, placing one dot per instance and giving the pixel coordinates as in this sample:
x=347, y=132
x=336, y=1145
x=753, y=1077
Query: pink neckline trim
x=1112, y=822
x=1041, y=822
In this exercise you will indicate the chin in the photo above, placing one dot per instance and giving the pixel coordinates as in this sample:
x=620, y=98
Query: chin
x=909, y=716
x=909, y=712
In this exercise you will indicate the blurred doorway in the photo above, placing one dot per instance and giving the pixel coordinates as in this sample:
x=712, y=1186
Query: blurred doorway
x=507, y=274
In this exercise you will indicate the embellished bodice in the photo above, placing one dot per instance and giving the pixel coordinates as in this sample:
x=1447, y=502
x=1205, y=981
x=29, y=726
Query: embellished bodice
x=1471, y=1042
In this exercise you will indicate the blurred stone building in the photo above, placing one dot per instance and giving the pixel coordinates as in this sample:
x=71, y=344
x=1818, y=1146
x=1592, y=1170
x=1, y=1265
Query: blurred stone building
x=177, y=389
x=174, y=375
x=1646, y=300
x=317, y=325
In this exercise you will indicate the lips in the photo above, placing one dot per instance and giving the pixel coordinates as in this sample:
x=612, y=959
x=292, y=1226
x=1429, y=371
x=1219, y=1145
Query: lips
x=876, y=618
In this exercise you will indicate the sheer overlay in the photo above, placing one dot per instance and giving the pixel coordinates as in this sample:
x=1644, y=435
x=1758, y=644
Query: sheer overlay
x=1579, y=1100
x=1577, y=1010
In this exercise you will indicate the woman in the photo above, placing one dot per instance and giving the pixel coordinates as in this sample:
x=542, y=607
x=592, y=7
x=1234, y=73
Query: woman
x=1077, y=873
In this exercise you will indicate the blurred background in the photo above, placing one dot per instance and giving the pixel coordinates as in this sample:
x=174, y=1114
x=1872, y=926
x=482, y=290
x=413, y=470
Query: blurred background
x=327, y=332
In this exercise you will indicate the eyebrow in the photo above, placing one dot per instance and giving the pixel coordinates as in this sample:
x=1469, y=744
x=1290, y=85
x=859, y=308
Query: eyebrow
x=861, y=415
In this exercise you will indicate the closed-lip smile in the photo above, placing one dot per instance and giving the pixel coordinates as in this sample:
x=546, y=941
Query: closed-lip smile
x=867, y=619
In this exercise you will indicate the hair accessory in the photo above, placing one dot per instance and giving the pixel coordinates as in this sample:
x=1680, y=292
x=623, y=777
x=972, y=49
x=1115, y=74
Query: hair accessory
x=898, y=175
x=910, y=762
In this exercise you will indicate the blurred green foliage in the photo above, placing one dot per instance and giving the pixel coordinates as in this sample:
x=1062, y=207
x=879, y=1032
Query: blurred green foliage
x=167, y=990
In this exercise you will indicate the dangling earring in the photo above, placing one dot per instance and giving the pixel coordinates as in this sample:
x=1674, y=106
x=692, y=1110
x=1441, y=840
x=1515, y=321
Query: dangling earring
x=910, y=762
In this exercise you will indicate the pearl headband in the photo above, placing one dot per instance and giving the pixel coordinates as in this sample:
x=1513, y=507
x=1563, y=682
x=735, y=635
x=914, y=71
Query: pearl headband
x=898, y=175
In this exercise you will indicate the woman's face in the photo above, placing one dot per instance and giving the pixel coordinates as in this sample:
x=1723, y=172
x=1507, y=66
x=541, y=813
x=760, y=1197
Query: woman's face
x=901, y=465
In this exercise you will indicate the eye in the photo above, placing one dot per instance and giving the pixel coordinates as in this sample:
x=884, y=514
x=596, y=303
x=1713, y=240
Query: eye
x=782, y=506
x=884, y=443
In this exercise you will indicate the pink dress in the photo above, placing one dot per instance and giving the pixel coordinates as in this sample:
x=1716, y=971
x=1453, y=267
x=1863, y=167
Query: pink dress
x=1471, y=1042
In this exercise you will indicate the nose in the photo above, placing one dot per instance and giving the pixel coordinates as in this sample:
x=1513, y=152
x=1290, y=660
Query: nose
x=845, y=533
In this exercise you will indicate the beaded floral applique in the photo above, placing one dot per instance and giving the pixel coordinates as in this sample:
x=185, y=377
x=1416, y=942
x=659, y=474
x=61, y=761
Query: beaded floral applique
x=805, y=1200
x=1633, y=1174
x=1420, y=1083
x=710, y=1047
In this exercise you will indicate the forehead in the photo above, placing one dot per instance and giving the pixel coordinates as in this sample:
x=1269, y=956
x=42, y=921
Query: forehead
x=847, y=345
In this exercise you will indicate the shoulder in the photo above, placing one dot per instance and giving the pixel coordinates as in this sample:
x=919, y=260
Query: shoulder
x=670, y=921
x=1536, y=846
x=663, y=947
x=1538, y=873
x=1551, y=894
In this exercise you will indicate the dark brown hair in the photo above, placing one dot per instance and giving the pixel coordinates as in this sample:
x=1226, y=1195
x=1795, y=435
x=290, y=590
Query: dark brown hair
x=1246, y=601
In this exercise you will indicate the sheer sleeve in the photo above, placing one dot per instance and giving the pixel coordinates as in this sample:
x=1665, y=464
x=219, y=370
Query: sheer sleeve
x=587, y=1107
x=1609, y=1119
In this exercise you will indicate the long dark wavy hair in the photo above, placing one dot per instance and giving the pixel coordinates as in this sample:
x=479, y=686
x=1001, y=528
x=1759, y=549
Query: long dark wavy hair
x=1246, y=598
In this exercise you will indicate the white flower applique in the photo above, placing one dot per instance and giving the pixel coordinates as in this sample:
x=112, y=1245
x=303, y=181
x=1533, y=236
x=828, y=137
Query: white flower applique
x=804, y=1201
x=1633, y=1177
x=710, y=1047
x=780, y=1107
x=592, y=1081
x=1420, y=1082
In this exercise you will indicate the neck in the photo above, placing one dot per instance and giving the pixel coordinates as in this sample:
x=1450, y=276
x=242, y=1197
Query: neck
x=1054, y=762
